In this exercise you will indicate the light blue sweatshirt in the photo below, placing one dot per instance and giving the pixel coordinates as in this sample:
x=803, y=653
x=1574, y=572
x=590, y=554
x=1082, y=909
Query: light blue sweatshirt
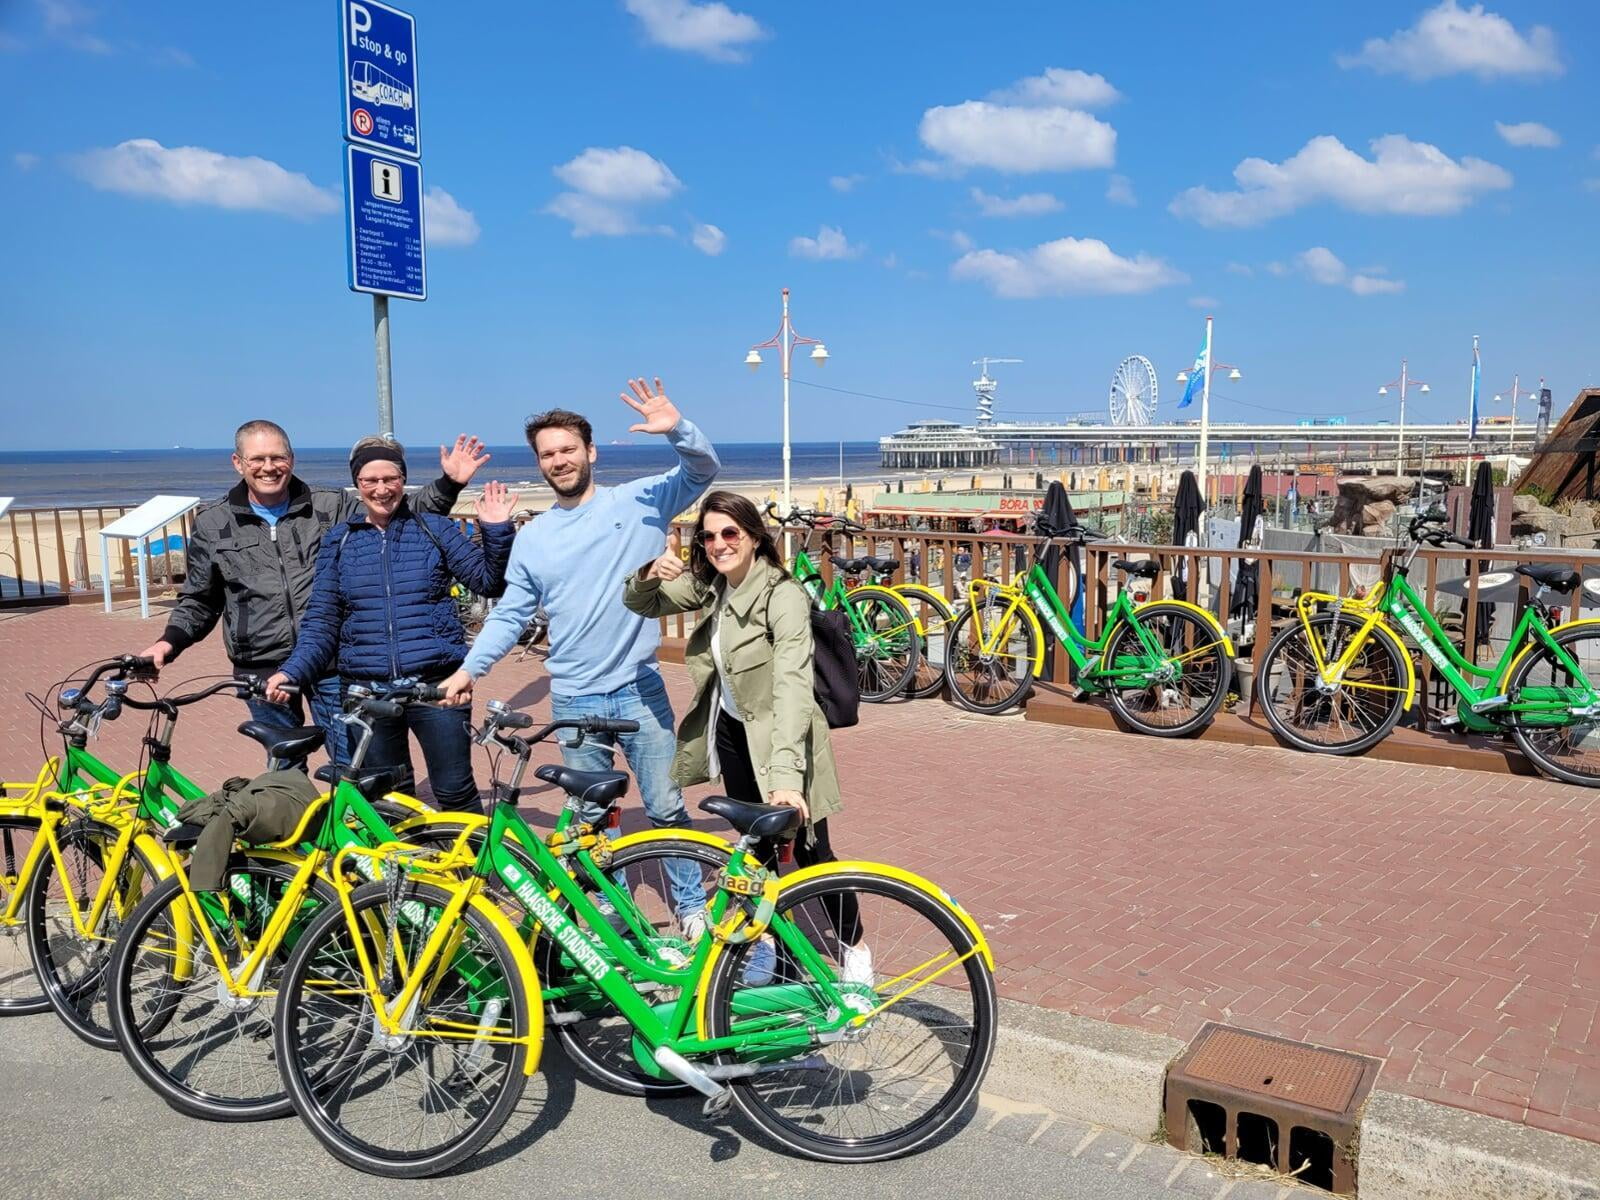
x=572, y=560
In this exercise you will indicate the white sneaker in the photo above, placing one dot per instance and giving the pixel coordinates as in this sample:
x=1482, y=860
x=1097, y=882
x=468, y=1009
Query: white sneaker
x=857, y=965
x=762, y=964
x=694, y=926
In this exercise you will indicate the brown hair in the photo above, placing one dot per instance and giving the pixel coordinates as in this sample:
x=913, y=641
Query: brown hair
x=746, y=516
x=558, y=418
x=254, y=427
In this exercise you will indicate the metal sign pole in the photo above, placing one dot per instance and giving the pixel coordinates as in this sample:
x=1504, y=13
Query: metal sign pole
x=380, y=333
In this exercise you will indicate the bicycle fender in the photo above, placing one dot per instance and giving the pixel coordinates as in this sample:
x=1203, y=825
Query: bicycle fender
x=1210, y=618
x=1532, y=645
x=401, y=800
x=1382, y=629
x=156, y=853
x=676, y=835
x=919, y=591
x=820, y=870
x=528, y=973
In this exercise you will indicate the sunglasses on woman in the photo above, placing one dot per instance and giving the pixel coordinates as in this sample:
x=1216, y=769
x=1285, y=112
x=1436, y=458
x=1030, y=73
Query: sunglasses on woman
x=730, y=535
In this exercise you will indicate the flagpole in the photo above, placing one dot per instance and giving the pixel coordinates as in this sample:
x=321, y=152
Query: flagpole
x=1205, y=418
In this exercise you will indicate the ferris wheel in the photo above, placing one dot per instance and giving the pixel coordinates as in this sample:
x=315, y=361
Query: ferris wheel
x=1133, y=392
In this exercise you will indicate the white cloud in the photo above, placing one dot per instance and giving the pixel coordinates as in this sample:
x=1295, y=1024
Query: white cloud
x=25, y=160
x=1031, y=204
x=1119, y=190
x=1204, y=302
x=1451, y=40
x=1066, y=266
x=1404, y=177
x=1238, y=268
x=1018, y=140
x=609, y=186
x=1277, y=268
x=891, y=260
x=1321, y=265
x=194, y=175
x=955, y=237
x=1529, y=133
x=844, y=183
x=708, y=239
x=1059, y=87
x=712, y=30
x=830, y=243
x=68, y=22
x=620, y=174
x=447, y=223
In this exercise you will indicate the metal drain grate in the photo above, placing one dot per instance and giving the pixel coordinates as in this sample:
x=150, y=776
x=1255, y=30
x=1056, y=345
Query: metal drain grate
x=1270, y=1100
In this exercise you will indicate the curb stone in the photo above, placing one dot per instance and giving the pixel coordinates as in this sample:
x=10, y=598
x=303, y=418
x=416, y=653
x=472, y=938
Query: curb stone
x=1114, y=1077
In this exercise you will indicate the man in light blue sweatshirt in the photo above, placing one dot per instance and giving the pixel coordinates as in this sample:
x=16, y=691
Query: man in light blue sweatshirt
x=571, y=560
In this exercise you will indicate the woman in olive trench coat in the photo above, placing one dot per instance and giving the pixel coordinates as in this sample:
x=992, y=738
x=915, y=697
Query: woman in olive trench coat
x=754, y=722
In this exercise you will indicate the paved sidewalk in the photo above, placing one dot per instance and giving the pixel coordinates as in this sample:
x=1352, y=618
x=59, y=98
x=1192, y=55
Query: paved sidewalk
x=1446, y=921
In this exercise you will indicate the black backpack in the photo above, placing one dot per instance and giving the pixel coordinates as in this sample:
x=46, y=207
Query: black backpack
x=836, y=681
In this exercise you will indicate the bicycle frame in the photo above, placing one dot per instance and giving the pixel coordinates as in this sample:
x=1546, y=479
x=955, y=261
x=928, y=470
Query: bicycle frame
x=1395, y=600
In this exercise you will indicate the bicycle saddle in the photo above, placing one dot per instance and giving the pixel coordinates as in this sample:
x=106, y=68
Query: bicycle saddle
x=284, y=743
x=604, y=788
x=370, y=784
x=1551, y=575
x=1147, y=568
x=754, y=820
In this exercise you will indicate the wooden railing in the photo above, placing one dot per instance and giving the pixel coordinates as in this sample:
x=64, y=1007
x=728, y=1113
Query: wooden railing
x=52, y=555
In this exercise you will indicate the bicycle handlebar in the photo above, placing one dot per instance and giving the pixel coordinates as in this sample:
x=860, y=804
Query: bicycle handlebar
x=500, y=718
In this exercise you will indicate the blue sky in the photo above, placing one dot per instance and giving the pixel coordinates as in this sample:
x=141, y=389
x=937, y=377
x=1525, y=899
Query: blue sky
x=621, y=187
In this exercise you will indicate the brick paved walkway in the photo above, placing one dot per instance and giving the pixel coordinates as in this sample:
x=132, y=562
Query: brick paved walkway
x=1446, y=921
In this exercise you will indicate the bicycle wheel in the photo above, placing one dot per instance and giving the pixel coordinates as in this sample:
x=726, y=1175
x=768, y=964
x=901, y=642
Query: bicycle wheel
x=1561, y=747
x=71, y=958
x=205, y=1051
x=417, y=1102
x=596, y=1037
x=896, y=1081
x=1345, y=718
x=989, y=683
x=934, y=615
x=21, y=991
x=1181, y=696
x=886, y=656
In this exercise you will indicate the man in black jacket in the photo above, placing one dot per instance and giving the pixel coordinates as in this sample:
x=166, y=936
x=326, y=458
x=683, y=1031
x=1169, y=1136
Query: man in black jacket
x=250, y=561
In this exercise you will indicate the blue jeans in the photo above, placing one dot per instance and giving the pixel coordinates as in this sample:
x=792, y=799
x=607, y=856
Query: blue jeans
x=445, y=735
x=649, y=753
x=325, y=701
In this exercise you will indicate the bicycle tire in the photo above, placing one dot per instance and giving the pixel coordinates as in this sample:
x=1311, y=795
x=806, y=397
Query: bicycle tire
x=1539, y=742
x=314, y=1089
x=1209, y=666
x=772, y=1100
x=79, y=992
x=21, y=990
x=887, y=660
x=601, y=1044
x=978, y=686
x=141, y=1030
x=936, y=616
x=1288, y=690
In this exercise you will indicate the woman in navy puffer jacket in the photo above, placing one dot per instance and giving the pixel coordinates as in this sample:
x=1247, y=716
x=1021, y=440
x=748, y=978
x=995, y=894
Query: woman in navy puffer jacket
x=381, y=606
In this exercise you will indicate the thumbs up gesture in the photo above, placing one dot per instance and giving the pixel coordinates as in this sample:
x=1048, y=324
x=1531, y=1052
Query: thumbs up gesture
x=670, y=565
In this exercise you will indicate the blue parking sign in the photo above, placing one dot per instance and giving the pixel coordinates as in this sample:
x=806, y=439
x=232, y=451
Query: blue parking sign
x=380, y=77
x=383, y=232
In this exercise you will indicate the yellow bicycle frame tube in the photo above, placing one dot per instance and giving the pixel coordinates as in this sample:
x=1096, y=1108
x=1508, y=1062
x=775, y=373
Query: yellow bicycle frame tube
x=1372, y=622
x=1016, y=601
x=806, y=874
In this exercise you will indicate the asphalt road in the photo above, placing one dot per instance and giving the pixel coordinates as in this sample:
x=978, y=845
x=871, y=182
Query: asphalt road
x=80, y=1125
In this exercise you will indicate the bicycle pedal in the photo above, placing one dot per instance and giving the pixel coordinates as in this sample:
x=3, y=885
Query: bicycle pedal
x=1450, y=722
x=718, y=1105
x=1492, y=703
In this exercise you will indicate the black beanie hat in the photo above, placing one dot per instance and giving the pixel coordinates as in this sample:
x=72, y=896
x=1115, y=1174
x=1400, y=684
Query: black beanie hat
x=377, y=452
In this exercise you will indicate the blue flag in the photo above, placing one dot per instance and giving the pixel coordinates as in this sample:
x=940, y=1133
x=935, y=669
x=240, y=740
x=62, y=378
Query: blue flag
x=1196, y=378
x=1472, y=415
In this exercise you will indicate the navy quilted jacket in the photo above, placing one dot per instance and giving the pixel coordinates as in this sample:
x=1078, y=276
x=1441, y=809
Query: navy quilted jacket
x=380, y=604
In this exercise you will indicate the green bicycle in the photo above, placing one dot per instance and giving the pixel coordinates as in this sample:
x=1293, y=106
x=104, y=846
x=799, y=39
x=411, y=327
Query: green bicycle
x=1164, y=665
x=882, y=628
x=406, y=1037
x=1338, y=679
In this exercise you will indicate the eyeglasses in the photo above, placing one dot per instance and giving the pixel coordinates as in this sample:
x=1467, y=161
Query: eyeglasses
x=730, y=535
x=268, y=460
x=381, y=482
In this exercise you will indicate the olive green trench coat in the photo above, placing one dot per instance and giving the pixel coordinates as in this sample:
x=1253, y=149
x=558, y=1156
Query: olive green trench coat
x=771, y=680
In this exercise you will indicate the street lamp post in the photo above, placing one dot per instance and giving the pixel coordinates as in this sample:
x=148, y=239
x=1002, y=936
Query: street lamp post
x=1516, y=389
x=1205, y=405
x=785, y=340
x=1400, y=438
